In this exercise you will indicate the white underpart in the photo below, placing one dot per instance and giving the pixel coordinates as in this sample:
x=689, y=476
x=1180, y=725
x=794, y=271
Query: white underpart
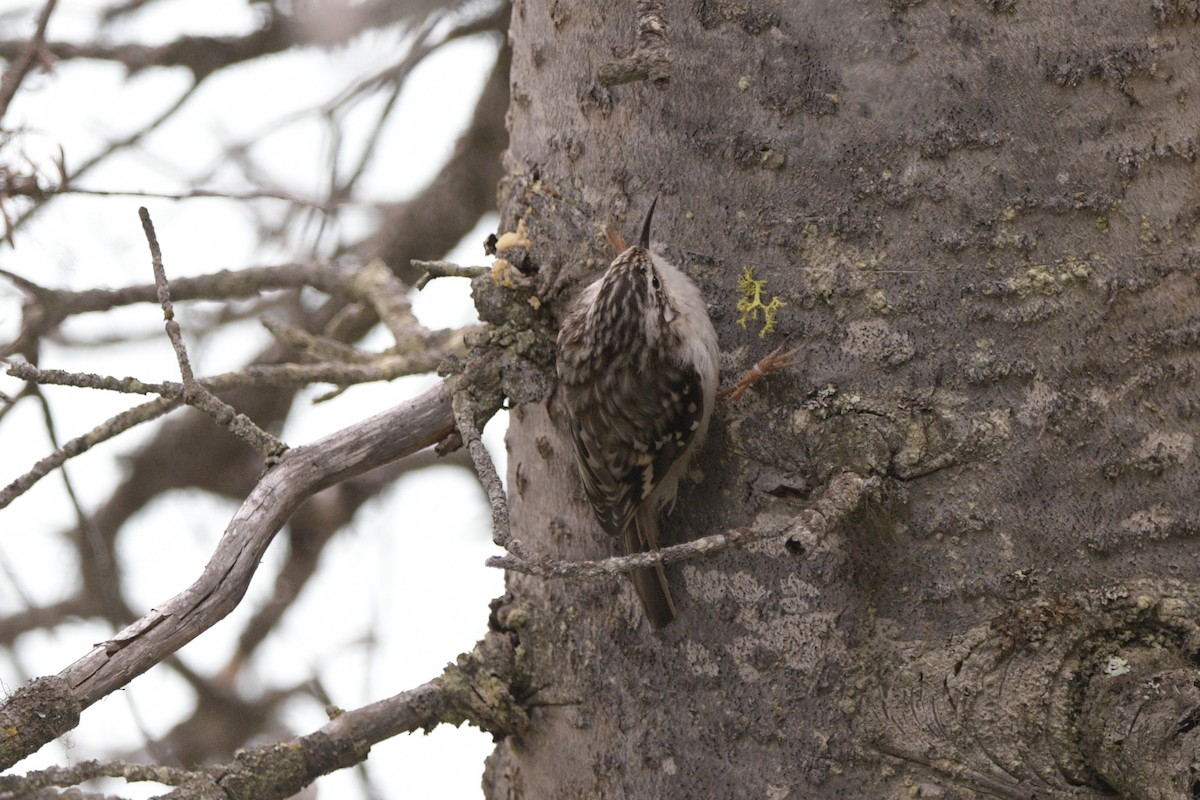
x=699, y=349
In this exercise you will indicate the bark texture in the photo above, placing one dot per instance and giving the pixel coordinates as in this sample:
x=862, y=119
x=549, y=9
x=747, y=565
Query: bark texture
x=981, y=217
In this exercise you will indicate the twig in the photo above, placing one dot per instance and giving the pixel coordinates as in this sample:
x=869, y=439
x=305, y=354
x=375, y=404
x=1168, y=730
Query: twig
x=226, y=284
x=96, y=554
x=112, y=148
x=90, y=770
x=397, y=75
x=194, y=393
x=21, y=66
x=444, y=269
x=194, y=194
x=383, y=367
x=464, y=420
x=81, y=444
x=312, y=344
x=842, y=497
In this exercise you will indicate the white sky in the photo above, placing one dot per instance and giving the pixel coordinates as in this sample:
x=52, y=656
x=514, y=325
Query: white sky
x=399, y=594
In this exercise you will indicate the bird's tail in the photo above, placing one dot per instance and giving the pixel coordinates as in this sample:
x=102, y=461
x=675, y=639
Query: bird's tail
x=650, y=583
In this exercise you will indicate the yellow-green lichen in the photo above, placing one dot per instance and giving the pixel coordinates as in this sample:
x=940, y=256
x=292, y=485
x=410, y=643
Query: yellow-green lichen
x=751, y=302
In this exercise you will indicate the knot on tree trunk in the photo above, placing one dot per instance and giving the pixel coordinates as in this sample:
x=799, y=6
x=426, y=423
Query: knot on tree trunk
x=1065, y=696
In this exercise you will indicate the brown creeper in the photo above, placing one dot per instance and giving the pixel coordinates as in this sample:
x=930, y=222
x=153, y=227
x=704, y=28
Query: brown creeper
x=637, y=365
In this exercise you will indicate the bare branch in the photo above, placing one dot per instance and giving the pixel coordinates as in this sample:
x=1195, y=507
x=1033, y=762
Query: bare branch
x=464, y=419
x=39, y=711
x=21, y=66
x=112, y=148
x=464, y=190
x=214, y=461
x=841, y=498
x=383, y=367
x=194, y=393
x=90, y=770
x=217, y=194
x=205, y=55
x=444, y=269
x=81, y=444
x=482, y=688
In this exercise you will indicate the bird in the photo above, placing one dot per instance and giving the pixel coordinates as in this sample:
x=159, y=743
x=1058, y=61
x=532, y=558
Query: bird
x=638, y=369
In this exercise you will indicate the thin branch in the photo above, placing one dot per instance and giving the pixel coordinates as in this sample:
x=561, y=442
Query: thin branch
x=383, y=367
x=436, y=219
x=21, y=66
x=90, y=770
x=775, y=361
x=164, y=299
x=113, y=147
x=226, y=284
x=194, y=393
x=841, y=498
x=81, y=444
x=96, y=554
x=464, y=419
x=444, y=269
x=220, y=194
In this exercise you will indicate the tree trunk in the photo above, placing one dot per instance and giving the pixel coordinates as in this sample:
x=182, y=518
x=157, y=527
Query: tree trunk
x=981, y=219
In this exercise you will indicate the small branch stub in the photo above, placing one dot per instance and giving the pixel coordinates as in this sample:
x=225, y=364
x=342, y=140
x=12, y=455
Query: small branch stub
x=651, y=59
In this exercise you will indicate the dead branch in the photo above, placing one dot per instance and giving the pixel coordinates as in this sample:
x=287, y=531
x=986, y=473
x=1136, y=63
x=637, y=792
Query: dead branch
x=20, y=66
x=464, y=418
x=220, y=464
x=483, y=688
x=81, y=444
x=444, y=269
x=38, y=713
x=194, y=392
x=842, y=497
x=205, y=55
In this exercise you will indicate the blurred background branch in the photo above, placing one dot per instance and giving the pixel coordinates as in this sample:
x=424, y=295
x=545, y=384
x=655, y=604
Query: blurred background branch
x=324, y=189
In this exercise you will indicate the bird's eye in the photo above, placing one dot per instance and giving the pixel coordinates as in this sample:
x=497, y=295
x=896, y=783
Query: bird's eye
x=655, y=283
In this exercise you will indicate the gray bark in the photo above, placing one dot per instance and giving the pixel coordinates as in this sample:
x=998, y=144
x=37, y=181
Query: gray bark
x=982, y=217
